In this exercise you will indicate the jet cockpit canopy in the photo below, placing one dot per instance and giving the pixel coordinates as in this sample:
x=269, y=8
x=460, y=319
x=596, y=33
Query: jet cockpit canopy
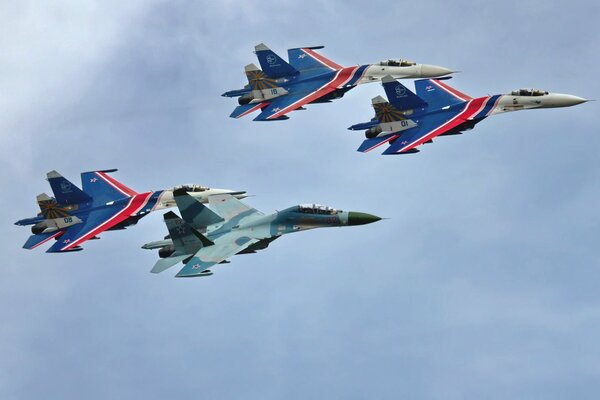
x=316, y=209
x=192, y=188
x=397, y=63
x=528, y=92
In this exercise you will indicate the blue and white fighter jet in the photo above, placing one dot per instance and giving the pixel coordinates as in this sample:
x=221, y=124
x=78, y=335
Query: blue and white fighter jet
x=75, y=215
x=308, y=77
x=205, y=237
x=407, y=120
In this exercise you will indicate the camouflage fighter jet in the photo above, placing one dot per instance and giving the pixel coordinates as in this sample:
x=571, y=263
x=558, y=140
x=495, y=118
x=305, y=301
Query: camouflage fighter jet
x=205, y=237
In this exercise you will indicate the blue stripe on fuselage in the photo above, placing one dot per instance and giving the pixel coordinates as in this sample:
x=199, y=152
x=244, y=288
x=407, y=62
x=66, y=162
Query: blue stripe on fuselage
x=357, y=75
x=151, y=202
x=488, y=106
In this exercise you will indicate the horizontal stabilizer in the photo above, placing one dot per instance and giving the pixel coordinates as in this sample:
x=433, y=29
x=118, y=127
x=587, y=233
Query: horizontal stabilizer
x=399, y=96
x=370, y=144
x=39, y=239
x=272, y=65
x=246, y=109
x=185, y=238
x=65, y=192
x=166, y=263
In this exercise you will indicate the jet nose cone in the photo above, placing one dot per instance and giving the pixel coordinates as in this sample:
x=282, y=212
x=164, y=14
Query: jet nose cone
x=574, y=100
x=433, y=71
x=565, y=100
x=358, y=218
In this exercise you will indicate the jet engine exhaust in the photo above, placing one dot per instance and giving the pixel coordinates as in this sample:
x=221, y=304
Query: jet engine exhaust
x=166, y=251
x=373, y=132
x=245, y=99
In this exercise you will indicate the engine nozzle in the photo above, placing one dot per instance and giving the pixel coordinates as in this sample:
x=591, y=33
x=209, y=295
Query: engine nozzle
x=373, y=132
x=245, y=99
x=42, y=227
x=166, y=251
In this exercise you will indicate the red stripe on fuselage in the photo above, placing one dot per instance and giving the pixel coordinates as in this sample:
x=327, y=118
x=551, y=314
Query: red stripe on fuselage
x=470, y=109
x=135, y=203
x=483, y=104
x=328, y=63
x=494, y=106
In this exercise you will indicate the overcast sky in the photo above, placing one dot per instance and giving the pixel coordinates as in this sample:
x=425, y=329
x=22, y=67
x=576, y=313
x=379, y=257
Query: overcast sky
x=482, y=284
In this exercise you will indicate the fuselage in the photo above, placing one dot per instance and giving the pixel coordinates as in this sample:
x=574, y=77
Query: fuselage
x=342, y=80
x=139, y=206
x=290, y=220
x=470, y=112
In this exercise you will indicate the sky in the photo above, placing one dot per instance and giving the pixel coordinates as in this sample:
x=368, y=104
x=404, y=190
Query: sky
x=482, y=282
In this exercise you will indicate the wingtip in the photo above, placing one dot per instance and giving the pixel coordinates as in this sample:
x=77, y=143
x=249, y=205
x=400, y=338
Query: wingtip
x=170, y=215
x=53, y=174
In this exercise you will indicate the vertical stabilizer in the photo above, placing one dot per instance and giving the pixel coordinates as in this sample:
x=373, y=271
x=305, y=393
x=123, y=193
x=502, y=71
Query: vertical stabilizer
x=103, y=188
x=65, y=192
x=273, y=65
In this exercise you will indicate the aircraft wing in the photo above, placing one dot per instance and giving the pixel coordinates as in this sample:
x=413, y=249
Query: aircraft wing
x=96, y=222
x=227, y=207
x=223, y=248
x=433, y=125
x=40, y=238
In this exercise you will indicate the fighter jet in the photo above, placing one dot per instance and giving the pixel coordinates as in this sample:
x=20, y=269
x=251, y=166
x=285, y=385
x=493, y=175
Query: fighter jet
x=74, y=215
x=407, y=120
x=281, y=87
x=205, y=237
